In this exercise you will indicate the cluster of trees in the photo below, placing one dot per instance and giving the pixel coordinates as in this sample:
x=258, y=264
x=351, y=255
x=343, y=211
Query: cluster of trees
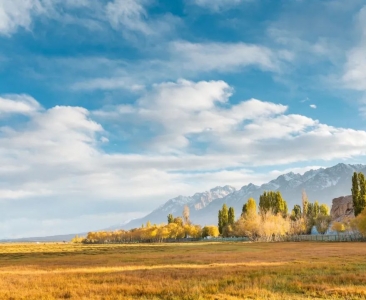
x=177, y=228
x=149, y=233
x=226, y=218
x=271, y=220
x=273, y=203
x=310, y=215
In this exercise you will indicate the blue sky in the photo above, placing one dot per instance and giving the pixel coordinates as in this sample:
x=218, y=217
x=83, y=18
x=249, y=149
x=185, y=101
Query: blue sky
x=109, y=108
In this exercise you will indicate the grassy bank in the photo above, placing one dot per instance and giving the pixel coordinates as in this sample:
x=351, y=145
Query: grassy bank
x=184, y=271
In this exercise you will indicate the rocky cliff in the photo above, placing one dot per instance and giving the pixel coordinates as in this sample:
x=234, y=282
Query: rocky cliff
x=342, y=208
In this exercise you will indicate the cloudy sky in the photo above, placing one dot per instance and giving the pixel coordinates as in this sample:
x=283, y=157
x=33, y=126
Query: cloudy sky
x=108, y=108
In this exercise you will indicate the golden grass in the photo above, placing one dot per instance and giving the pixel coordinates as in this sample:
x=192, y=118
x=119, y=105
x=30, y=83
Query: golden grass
x=184, y=271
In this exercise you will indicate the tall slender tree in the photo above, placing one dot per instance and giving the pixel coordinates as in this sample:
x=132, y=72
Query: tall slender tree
x=225, y=215
x=244, y=210
x=219, y=224
x=362, y=196
x=186, y=213
x=355, y=193
x=305, y=202
x=358, y=192
x=231, y=216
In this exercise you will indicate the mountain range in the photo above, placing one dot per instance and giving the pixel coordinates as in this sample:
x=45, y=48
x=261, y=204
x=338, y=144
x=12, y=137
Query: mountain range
x=322, y=185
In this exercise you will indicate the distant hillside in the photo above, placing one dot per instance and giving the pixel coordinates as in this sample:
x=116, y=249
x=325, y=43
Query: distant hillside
x=322, y=185
x=45, y=239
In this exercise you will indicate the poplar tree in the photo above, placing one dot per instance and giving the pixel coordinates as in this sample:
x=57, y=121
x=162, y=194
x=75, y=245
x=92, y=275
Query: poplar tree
x=355, y=193
x=225, y=215
x=362, y=197
x=219, y=224
x=358, y=192
x=231, y=216
x=186, y=215
x=251, y=207
x=223, y=218
x=244, y=210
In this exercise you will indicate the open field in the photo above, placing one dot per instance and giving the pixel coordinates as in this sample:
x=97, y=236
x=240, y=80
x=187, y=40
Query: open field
x=184, y=271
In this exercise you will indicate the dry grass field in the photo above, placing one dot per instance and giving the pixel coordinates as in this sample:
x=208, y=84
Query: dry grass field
x=184, y=271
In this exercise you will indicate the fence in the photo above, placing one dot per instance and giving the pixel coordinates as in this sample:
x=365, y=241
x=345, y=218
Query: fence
x=185, y=240
x=325, y=238
x=289, y=238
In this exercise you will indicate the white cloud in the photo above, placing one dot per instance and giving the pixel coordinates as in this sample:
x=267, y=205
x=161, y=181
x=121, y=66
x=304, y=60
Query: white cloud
x=223, y=56
x=17, y=13
x=113, y=83
x=186, y=114
x=21, y=104
x=313, y=106
x=127, y=16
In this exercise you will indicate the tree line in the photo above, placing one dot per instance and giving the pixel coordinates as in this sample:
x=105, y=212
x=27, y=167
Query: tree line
x=269, y=221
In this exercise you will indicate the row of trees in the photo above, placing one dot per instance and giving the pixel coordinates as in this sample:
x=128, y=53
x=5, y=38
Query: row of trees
x=151, y=233
x=271, y=220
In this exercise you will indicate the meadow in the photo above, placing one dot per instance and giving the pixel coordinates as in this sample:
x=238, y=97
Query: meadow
x=184, y=271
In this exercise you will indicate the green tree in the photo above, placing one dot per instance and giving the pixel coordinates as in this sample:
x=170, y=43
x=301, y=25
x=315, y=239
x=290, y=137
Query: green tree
x=355, y=193
x=264, y=203
x=220, y=224
x=170, y=219
x=225, y=215
x=223, y=218
x=362, y=196
x=272, y=202
x=296, y=213
x=231, y=216
x=244, y=210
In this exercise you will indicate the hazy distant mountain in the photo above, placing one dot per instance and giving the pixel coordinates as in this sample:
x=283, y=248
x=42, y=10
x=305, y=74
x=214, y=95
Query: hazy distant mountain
x=322, y=185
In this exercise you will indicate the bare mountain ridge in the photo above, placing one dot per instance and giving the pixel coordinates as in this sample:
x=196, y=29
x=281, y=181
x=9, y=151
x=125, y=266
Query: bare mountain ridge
x=322, y=184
